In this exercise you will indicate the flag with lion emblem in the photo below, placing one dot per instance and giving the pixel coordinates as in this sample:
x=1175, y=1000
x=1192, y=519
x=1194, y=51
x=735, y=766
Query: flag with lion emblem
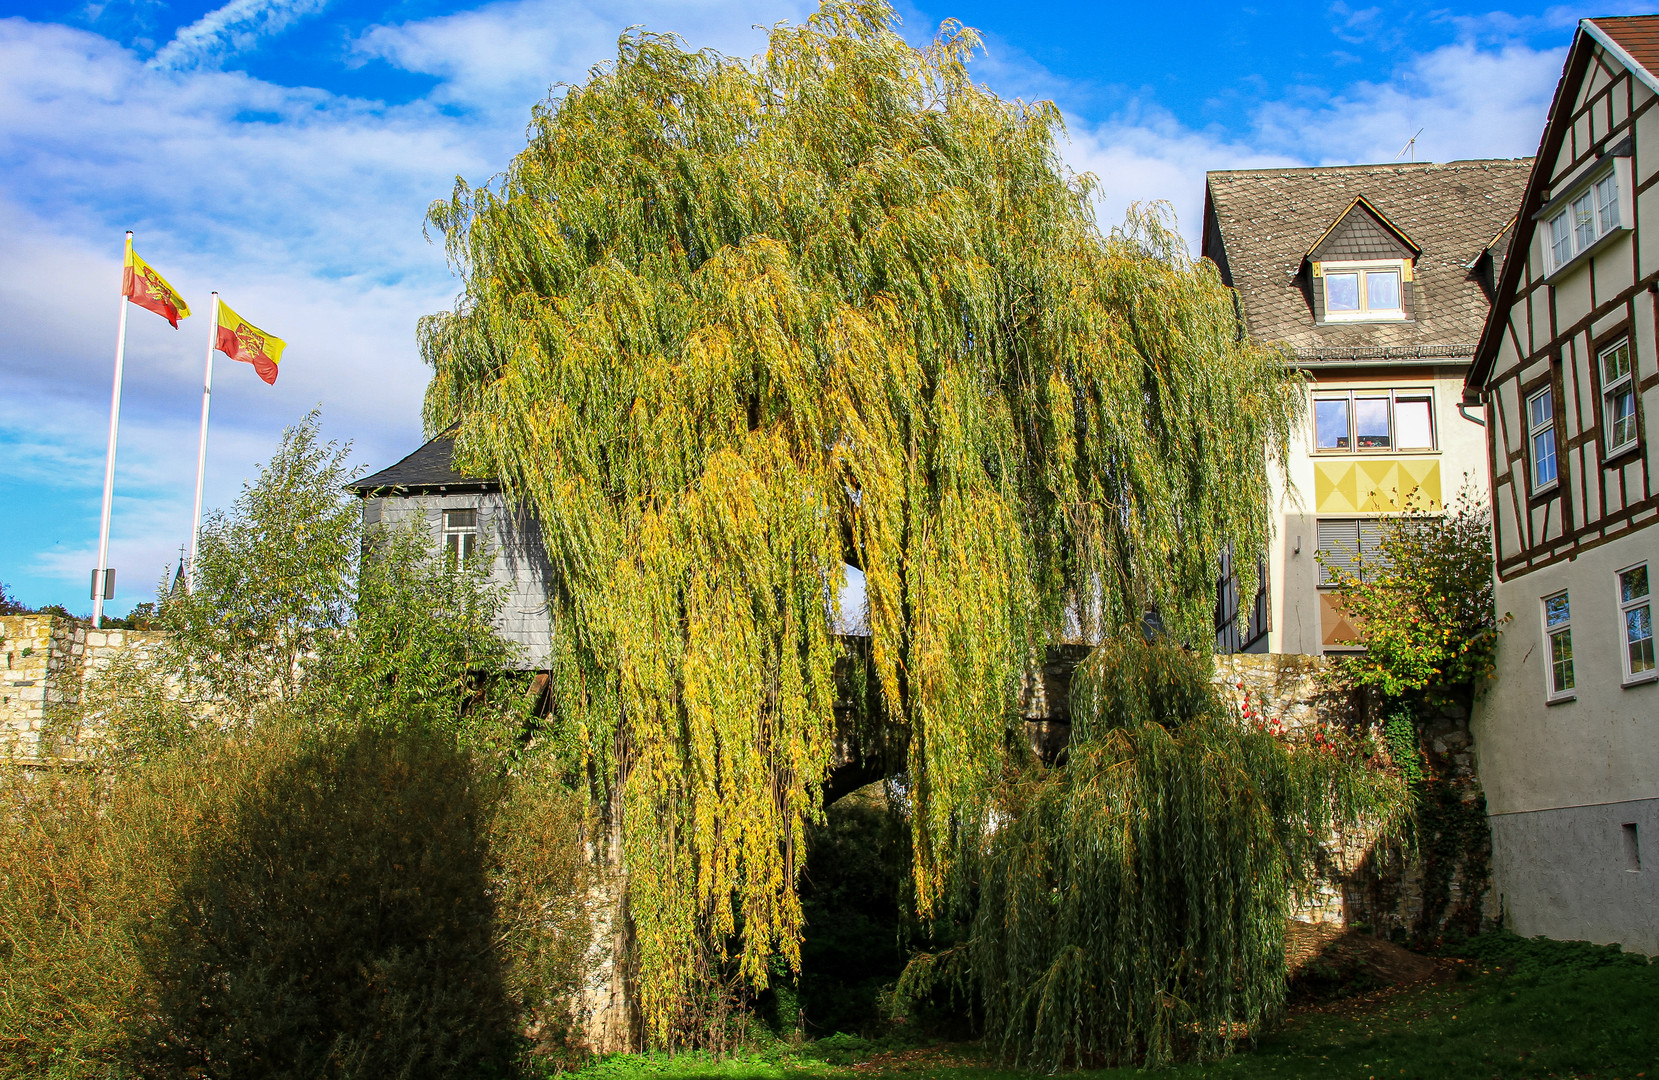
x=149, y=290
x=241, y=340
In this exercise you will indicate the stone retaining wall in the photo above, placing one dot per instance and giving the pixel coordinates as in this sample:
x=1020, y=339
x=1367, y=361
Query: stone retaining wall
x=48, y=663
x=1442, y=885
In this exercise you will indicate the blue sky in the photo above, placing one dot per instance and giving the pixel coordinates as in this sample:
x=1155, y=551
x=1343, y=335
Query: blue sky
x=283, y=152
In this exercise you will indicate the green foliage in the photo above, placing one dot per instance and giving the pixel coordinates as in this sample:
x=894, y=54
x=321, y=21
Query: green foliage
x=423, y=641
x=1425, y=607
x=143, y=616
x=1453, y=840
x=130, y=715
x=273, y=577
x=1400, y=733
x=728, y=325
x=1130, y=907
x=1543, y=958
x=10, y=605
x=853, y=899
x=298, y=898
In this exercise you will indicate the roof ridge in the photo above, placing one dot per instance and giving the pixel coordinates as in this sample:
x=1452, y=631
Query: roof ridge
x=1462, y=163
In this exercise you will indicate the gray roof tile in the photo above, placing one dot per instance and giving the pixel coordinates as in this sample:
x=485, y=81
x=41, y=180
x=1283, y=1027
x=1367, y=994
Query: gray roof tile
x=428, y=468
x=1268, y=219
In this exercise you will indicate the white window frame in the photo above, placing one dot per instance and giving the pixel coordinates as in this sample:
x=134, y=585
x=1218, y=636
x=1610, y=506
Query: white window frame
x=1393, y=396
x=1324, y=270
x=1627, y=607
x=1624, y=385
x=460, y=540
x=1564, y=630
x=1536, y=428
x=1588, y=212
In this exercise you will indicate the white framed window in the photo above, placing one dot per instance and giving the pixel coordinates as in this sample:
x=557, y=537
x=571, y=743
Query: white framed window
x=1618, y=397
x=1373, y=421
x=460, y=533
x=1558, y=641
x=1591, y=214
x=1636, y=624
x=1541, y=438
x=1363, y=291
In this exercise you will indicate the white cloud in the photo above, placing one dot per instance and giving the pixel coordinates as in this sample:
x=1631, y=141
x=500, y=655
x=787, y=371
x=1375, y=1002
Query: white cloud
x=515, y=49
x=237, y=27
x=1470, y=102
x=1148, y=156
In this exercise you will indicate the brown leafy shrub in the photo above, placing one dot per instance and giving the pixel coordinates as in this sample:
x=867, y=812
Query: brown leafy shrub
x=294, y=899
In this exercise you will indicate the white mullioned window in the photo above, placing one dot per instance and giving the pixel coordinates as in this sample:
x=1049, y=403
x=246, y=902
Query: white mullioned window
x=1636, y=623
x=1373, y=421
x=1360, y=291
x=1618, y=397
x=1558, y=639
x=1541, y=437
x=460, y=533
x=1589, y=216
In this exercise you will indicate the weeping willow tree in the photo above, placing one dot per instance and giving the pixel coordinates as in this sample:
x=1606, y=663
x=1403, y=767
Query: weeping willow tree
x=729, y=326
x=1130, y=907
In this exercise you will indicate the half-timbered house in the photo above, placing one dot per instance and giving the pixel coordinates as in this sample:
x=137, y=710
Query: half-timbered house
x=1376, y=280
x=1569, y=736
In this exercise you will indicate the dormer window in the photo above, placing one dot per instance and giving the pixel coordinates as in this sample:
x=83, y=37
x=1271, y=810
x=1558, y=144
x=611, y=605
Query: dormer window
x=1585, y=214
x=1362, y=292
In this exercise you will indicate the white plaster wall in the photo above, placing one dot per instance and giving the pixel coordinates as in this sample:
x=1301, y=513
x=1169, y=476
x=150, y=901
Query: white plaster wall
x=517, y=559
x=1600, y=747
x=1293, y=576
x=1562, y=780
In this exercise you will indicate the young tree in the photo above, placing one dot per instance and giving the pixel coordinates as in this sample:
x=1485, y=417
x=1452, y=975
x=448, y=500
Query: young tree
x=423, y=645
x=272, y=577
x=731, y=325
x=1424, y=602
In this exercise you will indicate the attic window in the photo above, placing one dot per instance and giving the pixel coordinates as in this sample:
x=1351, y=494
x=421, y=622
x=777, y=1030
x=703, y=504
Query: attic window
x=1363, y=292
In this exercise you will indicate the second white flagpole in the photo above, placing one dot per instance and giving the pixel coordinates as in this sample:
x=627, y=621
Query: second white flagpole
x=102, y=571
x=201, y=449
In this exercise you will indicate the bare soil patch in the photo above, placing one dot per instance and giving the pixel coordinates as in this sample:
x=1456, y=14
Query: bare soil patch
x=1332, y=969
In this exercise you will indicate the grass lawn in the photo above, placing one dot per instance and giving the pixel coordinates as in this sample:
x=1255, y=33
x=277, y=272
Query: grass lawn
x=1482, y=1018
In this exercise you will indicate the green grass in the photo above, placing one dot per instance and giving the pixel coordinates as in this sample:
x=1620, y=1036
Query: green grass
x=1580, y=1012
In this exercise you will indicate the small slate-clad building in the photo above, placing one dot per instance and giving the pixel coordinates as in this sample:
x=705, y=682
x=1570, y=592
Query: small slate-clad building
x=1568, y=369
x=1377, y=280
x=465, y=515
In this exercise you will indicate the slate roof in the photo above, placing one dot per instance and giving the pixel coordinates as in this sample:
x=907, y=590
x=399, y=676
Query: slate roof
x=427, y=469
x=1267, y=219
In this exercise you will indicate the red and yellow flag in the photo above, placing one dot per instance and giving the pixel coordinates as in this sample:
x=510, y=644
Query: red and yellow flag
x=143, y=286
x=241, y=340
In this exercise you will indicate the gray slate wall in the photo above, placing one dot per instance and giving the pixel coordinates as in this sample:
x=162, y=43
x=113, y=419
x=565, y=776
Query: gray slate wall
x=518, y=559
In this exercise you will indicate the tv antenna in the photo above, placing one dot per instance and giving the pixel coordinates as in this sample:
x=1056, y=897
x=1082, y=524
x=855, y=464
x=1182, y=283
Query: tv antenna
x=1410, y=147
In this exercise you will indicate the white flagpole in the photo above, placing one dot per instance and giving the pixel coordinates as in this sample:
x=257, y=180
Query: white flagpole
x=102, y=570
x=201, y=449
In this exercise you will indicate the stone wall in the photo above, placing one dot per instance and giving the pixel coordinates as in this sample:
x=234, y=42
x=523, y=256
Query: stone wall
x=49, y=663
x=1442, y=881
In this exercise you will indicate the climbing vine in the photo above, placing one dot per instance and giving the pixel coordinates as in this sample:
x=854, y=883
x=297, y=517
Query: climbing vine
x=731, y=325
